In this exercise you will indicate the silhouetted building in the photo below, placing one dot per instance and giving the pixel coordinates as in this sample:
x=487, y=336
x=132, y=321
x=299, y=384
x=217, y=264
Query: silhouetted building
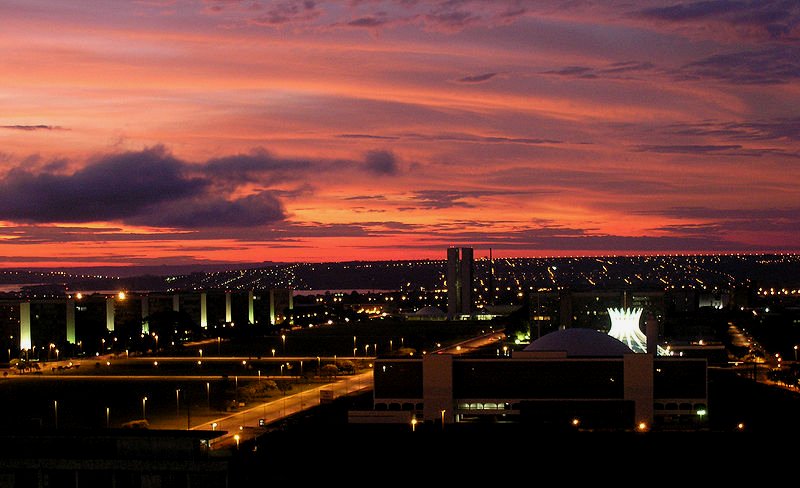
x=572, y=375
x=459, y=281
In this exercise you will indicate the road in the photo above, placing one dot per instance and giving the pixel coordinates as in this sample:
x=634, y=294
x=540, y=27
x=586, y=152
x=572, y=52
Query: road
x=254, y=421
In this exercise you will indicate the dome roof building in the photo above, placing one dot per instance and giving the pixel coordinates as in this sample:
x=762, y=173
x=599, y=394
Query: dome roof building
x=579, y=342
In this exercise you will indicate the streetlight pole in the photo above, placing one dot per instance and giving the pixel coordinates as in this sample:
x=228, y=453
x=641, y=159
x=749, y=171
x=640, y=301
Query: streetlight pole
x=208, y=394
x=144, y=408
x=178, y=402
x=55, y=411
x=108, y=417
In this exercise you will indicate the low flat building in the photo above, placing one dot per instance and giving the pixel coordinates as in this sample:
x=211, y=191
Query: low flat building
x=578, y=377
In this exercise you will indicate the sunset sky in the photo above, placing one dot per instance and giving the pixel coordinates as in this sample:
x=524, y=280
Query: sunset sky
x=156, y=131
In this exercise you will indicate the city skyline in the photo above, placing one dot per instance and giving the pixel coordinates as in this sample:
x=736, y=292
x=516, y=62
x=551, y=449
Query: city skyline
x=190, y=132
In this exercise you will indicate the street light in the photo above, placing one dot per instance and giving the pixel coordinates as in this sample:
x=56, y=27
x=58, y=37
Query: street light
x=283, y=339
x=108, y=417
x=55, y=410
x=144, y=408
x=413, y=425
x=236, y=438
x=273, y=353
x=208, y=394
x=795, y=353
x=178, y=402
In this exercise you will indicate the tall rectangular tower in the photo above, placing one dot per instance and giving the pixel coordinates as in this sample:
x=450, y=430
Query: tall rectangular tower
x=459, y=281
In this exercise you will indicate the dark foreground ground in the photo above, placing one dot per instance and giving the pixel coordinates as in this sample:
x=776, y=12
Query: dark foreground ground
x=322, y=448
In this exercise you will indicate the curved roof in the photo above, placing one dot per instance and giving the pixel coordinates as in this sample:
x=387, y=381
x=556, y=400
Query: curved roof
x=580, y=342
x=430, y=311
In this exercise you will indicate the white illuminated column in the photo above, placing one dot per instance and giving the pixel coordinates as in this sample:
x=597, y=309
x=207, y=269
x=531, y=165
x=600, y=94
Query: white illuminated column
x=625, y=327
x=251, y=316
x=24, y=325
x=228, y=316
x=203, y=311
x=70, y=311
x=145, y=315
x=110, y=314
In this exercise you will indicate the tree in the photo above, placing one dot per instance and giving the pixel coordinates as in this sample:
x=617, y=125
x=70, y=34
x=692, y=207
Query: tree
x=518, y=324
x=346, y=366
x=257, y=390
x=329, y=370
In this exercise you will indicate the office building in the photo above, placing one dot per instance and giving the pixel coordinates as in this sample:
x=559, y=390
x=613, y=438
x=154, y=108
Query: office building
x=569, y=375
x=460, y=267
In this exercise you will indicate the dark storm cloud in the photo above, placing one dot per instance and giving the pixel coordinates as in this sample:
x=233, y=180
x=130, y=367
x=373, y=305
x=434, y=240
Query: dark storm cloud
x=288, y=12
x=481, y=139
x=149, y=187
x=617, y=70
x=709, y=150
x=381, y=162
x=728, y=220
x=688, y=149
x=573, y=71
x=452, y=198
x=365, y=136
x=451, y=19
x=575, y=239
x=367, y=197
x=111, y=188
x=773, y=19
x=258, y=166
x=762, y=130
x=31, y=128
x=791, y=213
x=694, y=10
x=477, y=78
x=626, y=67
x=368, y=22
x=259, y=209
x=773, y=66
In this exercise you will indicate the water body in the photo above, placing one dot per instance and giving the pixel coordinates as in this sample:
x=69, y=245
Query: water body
x=346, y=291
